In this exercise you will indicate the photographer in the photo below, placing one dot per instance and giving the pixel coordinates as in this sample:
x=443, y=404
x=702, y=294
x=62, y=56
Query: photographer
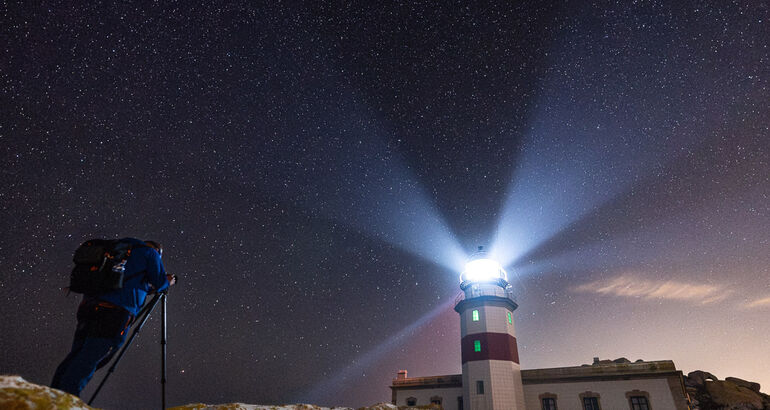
x=103, y=319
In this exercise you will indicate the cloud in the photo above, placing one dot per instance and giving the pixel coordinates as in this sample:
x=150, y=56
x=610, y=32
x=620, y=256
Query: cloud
x=759, y=303
x=634, y=287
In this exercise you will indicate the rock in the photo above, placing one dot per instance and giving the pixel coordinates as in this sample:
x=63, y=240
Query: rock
x=692, y=382
x=244, y=406
x=729, y=395
x=744, y=383
x=17, y=393
x=381, y=406
x=699, y=377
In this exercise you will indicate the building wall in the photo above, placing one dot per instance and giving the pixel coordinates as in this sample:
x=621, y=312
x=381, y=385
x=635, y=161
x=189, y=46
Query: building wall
x=480, y=371
x=448, y=396
x=499, y=391
x=506, y=385
x=612, y=394
x=492, y=319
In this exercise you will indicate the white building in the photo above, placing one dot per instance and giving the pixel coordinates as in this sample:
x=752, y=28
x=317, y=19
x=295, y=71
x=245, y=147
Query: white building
x=653, y=385
x=492, y=378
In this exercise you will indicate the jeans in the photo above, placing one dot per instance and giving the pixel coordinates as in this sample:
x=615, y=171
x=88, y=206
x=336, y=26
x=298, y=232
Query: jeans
x=101, y=331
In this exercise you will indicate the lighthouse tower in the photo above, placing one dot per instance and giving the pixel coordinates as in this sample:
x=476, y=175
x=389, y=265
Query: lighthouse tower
x=490, y=357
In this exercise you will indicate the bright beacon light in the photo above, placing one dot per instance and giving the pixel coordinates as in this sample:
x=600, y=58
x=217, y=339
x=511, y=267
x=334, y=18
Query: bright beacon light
x=482, y=269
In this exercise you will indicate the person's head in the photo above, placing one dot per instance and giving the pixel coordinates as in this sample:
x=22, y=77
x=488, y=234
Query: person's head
x=155, y=245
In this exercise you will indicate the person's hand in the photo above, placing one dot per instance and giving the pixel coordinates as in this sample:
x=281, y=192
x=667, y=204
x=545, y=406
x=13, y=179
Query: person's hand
x=171, y=279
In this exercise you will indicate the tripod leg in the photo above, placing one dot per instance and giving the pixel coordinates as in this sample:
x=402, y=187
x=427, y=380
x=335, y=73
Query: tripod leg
x=137, y=328
x=163, y=348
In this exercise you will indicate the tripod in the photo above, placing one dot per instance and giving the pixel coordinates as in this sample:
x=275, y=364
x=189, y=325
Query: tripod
x=143, y=315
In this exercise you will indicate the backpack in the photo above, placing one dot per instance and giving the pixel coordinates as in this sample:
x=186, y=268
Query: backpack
x=99, y=266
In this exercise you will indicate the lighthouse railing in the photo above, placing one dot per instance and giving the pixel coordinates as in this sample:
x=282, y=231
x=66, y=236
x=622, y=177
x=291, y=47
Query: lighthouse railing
x=485, y=289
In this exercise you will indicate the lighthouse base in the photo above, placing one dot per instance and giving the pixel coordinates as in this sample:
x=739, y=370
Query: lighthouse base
x=492, y=385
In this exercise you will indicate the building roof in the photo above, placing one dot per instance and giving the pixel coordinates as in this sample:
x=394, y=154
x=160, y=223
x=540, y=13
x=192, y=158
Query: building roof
x=599, y=370
x=430, y=382
x=604, y=370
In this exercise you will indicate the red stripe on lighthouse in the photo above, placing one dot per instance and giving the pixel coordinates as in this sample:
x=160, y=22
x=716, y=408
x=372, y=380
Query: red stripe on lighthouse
x=494, y=346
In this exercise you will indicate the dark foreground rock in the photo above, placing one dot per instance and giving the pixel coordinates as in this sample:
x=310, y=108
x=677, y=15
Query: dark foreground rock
x=17, y=393
x=705, y=390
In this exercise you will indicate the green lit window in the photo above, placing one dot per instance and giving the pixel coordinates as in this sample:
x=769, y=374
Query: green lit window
x=477, y=345
x=510, y=319
x=475, y=315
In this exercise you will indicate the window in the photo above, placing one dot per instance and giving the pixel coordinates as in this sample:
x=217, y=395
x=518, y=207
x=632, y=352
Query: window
x=638, y=399
x=411, y=401
x=435, y=400
x=510, y=319
x=479, y=386
x=590, y=400
x=459, y=402
x=475, y=315
x=549, y=403
x=590, y=403
x=639, y=403
x=477, y=345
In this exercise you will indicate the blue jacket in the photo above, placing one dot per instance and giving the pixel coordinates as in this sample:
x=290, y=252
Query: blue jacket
x=144, y=271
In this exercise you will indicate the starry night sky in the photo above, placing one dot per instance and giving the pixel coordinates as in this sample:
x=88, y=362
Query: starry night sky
x=319, y=172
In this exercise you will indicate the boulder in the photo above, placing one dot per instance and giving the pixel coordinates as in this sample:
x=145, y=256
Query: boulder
x=699, y=377
x=17, y=393
x=743, y=383
x=731, y=396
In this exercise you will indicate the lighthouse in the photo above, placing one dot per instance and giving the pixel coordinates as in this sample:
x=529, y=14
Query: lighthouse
x=491, y=375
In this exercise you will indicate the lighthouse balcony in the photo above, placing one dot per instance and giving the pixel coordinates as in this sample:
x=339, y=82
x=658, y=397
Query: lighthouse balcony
x=491, y=290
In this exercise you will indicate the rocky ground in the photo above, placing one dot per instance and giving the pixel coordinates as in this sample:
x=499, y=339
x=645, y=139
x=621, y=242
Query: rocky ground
x=19, y=394
x=709, y=393
x=705, y=390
